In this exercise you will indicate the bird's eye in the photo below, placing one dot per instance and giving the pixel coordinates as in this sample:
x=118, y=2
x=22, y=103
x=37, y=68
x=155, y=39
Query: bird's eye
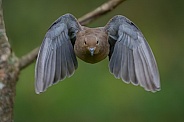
x=97, y=42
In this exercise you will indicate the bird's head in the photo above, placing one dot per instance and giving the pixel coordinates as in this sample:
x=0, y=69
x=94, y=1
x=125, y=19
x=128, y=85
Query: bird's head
x=91, y=43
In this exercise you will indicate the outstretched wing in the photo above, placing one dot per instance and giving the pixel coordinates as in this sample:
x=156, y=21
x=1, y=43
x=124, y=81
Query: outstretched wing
x=131, y=58
x=56, y=58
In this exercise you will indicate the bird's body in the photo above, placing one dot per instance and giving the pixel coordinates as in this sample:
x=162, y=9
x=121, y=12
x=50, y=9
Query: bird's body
x=130, y=57
x=91, y=38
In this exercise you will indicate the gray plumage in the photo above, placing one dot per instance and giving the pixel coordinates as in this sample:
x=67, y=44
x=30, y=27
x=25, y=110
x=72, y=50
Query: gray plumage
x=131, y=58
x=56, y=58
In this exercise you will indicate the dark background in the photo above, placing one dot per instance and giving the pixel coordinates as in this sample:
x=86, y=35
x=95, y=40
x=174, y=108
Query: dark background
x=92, y=94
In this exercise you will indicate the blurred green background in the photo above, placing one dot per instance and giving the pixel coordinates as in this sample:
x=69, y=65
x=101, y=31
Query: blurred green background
x=92, y=94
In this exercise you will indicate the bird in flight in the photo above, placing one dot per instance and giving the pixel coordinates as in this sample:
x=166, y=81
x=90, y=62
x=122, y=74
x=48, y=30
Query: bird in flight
x=130, y=57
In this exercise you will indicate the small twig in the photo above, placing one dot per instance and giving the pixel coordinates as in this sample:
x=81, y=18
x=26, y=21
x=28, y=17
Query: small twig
x=86, y=19
x=28, y=59
x=101, y=10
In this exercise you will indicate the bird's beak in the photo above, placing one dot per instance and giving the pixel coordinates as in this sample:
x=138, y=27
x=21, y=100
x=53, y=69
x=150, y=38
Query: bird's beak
x=92, y=50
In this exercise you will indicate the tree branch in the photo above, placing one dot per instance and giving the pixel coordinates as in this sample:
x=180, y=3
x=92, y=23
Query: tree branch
x=8, y=74
x=86, y=19
x=28, y=59
x=101, y=10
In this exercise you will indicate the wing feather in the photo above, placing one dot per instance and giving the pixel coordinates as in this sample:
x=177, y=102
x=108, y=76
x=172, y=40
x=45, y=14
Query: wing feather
x=56, y=58
x=131, y=58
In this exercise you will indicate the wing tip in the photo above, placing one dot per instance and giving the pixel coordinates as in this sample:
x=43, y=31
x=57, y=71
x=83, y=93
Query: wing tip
x=153, y=90
x=39, y=90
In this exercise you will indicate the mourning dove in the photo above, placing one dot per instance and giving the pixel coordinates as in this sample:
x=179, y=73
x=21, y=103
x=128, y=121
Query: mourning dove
x=130, y=57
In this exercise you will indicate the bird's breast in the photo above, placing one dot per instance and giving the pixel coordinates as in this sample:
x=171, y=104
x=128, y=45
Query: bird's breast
x=90, y=59
x=85, y=55
x=91, y=38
